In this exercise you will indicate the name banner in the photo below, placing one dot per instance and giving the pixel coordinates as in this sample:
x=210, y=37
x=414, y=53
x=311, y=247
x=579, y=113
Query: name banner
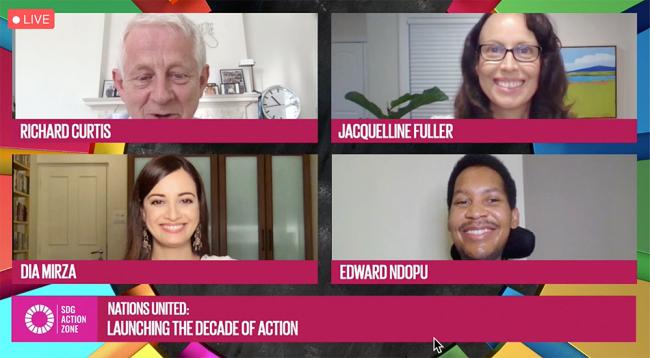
x=483, y=131
x=324, y=319
x=483, y=272
x=75, y=134
x=271, y=272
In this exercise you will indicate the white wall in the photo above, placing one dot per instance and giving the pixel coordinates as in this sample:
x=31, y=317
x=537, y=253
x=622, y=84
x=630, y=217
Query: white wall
x=285, y=49
x=380, y=33
x=383, y=77
x=391, y=207
x=349, y=27
x=115, y=195
x=55, y=69
x=227, y=28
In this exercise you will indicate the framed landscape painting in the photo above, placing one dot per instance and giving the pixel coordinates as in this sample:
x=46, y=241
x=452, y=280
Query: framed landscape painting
x=591, y=72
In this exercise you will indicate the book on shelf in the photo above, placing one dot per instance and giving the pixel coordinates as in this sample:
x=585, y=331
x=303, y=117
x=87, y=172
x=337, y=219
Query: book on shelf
x=22, y=159
x=19, y=241
x=20, y=210
x=21, y=181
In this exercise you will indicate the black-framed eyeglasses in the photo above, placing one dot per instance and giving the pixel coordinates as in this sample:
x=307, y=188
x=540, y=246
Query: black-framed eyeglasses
x=521, y=53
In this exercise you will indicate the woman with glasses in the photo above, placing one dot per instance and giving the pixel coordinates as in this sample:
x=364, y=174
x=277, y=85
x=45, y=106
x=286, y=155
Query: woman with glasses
x=512, y=68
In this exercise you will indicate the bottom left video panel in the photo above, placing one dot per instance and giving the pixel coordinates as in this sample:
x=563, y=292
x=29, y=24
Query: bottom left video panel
x=79, y=212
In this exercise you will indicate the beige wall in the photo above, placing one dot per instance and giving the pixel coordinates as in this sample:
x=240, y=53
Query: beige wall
x=582, y=207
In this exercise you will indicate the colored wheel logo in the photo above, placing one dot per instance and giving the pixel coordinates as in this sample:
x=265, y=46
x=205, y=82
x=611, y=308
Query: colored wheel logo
x=39, y=319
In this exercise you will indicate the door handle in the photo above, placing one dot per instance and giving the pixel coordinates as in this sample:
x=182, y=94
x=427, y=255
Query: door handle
x=100, y=252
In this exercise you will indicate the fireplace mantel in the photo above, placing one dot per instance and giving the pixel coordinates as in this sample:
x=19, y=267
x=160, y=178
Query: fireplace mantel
x=218, y=106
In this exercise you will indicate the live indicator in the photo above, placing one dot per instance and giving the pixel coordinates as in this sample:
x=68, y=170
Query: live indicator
x=30, y=19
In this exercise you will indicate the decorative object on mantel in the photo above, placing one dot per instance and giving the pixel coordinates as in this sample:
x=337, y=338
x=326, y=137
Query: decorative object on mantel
x=109, y=90
x=230, y=88
x=230, y=78
x=279, y=102
x=211, y=90
x=250, y=63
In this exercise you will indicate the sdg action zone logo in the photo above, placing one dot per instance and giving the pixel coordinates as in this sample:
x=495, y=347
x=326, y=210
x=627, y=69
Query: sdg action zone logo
x=39, y=319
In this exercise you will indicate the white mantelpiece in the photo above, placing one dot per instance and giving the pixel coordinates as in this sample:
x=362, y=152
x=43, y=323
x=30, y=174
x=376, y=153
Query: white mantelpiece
x=219, y=106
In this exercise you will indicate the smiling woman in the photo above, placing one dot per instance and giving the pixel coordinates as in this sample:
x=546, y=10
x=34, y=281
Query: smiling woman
x=168, y=213
x=512, y=68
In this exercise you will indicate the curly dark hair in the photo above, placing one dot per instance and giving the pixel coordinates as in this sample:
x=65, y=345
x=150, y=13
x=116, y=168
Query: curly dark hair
x=488, y=161
x=548, y=101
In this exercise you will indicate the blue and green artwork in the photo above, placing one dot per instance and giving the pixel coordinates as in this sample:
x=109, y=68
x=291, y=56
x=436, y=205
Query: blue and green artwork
x=591, y=72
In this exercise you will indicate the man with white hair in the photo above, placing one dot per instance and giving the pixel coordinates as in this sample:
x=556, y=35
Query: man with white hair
x=162, y=69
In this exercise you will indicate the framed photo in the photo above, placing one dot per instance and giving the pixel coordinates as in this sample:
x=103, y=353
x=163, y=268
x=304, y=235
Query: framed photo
x=230, y=76
x=108, y=89
x=591, y=71
x=230, y=88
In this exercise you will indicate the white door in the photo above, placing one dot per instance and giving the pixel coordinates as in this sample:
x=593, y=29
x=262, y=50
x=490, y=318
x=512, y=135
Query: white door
x=71, y=216
x=348, y=74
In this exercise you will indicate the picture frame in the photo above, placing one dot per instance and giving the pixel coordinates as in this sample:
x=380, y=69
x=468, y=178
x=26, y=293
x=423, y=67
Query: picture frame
x=230, y=88
x=109, y=90
x=231, y=76
x=591, y=73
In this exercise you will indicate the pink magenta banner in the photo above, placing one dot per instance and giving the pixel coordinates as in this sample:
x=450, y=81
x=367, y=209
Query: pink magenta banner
x=271, y=272
x=484, y=272
x=483, y=131
x=78, y=134
x=334, y=319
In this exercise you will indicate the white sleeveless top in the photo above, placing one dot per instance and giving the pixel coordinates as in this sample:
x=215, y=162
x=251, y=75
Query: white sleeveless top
x=213, y=257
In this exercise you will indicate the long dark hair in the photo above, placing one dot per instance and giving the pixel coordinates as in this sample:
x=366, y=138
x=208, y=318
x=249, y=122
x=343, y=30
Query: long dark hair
x=547, y=102
x=151, y=174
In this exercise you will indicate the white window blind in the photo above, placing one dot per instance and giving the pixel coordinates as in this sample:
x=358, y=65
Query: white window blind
x=435, y=45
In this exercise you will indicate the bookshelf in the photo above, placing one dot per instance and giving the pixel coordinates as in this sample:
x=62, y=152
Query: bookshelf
x=20, y=207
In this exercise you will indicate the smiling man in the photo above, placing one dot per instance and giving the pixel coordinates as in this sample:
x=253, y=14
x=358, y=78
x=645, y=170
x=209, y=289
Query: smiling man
x=481, y=198
x=162, y=68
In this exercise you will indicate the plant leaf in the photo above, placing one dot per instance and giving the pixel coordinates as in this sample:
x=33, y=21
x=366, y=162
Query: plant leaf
x=433, y=94
x=402, y=99
x=362, y=101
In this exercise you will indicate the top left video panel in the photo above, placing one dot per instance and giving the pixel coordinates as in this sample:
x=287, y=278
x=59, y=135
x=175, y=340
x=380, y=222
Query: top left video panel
x=167, y=66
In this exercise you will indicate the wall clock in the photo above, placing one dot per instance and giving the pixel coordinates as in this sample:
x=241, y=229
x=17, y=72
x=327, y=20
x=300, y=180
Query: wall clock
x=279, y=102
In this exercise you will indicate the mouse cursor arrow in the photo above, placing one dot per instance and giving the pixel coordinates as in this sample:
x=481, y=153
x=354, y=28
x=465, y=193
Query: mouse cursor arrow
x=437, y=346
